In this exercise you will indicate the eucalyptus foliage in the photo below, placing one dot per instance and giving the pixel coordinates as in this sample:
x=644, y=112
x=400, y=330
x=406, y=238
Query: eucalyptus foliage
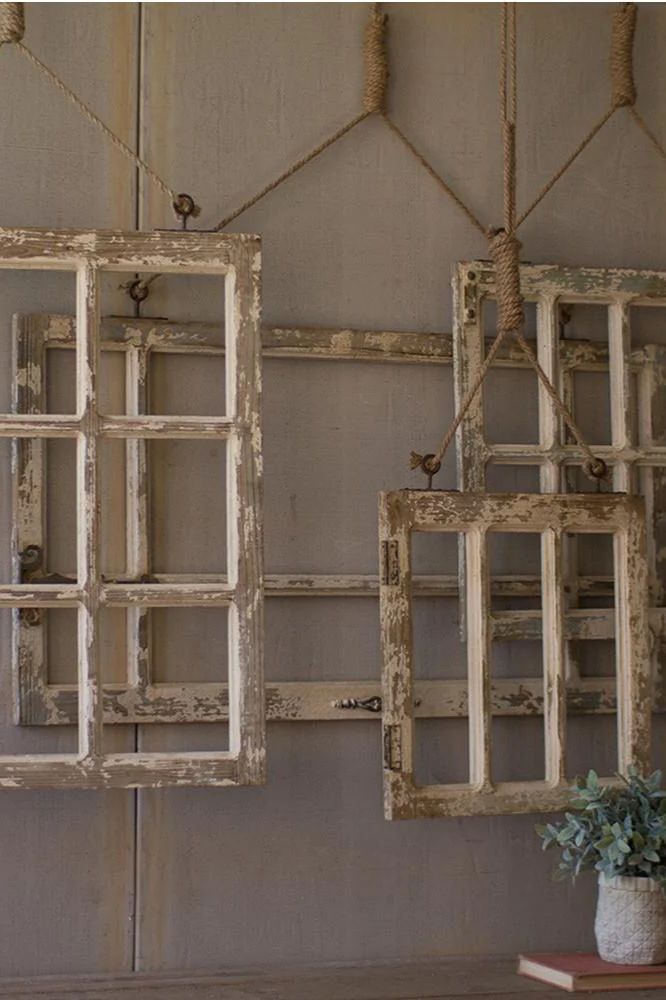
x=613, y=830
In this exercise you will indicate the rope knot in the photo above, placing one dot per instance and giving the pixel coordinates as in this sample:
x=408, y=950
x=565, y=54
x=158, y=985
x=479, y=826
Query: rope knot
x=375, y=61
x=621, y=55
x=12, y=22
x=505, y=253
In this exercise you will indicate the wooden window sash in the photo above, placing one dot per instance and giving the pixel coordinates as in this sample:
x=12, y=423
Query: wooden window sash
x=236, y=258
x=473, y=516
x=636, y=453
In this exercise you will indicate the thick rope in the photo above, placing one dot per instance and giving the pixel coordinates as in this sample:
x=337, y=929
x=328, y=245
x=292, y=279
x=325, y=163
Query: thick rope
x=433, y=173
x=375, y=61
x=432, y=464
x=595, y=467
x=97, y=122
x=587, y=139
x=294, y=168
x=621, y=55
x=643, y=125
x=508, y=109
x=376, y=75
x=623, y=91
x=505, y=254
x=12, y=22
x=504, y=247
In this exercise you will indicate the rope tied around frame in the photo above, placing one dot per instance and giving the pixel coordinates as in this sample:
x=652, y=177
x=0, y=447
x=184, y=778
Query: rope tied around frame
x=505, y=253
x=621, y=55
x=12, y=22
x=375, y=61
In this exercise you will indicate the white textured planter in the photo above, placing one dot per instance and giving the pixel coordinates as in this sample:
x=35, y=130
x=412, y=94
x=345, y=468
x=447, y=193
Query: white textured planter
x=630, y=924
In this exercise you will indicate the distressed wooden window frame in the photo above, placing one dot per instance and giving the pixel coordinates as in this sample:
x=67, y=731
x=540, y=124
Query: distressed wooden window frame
x=236, y=259
x=473, y=516
x=40, y=703
x=636, y=453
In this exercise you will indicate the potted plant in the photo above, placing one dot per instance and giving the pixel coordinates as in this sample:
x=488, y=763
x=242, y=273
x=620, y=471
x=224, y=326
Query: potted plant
x=619, y=832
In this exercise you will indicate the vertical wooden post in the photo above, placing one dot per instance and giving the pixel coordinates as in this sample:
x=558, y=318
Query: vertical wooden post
x=549, y=420
x=619, y=356
x=632, y=652
x=244, y=515
x=478, y=659
x=29, y=625
x=554, y=682
x=87, y=511
x=136, y=404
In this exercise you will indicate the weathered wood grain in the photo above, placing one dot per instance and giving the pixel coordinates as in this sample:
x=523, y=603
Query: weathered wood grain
x=475, y=515
x=88, y=253
x=88, y=503
x=168, y=251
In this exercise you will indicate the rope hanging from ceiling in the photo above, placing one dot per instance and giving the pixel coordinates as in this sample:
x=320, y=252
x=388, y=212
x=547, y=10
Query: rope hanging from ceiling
x=505, y=254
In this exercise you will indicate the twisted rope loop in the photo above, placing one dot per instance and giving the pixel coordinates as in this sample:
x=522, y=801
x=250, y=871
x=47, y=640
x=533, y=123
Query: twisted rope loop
x=12, y=22
x=621, y=55
x=505, y=254
x=375, y=61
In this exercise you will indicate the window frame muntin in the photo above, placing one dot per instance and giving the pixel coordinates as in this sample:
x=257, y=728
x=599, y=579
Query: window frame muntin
x=237, y=258
x=472, y=515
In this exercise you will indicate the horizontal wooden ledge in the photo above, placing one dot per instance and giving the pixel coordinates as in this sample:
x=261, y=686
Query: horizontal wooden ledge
x=140, y=770
x=167, y=426
x=504, y=797
x=447, y=585
x=37, y=425
x=310, y=701
x=54, y=425
x=50, y=595
x=145, y=252
x=166, y=595
x=44, y=595
x=588, y=623
x=367, y=585
x=318, y=343
x=172, y=588
x=570, y=455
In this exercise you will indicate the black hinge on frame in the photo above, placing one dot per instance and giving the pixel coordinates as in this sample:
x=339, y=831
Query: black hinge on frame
x=393, y=748
x=390, y=563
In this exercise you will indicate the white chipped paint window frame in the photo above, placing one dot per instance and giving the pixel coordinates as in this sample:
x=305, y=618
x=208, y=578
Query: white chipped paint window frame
x=37, y=701
x=473, y=516
x=236, y=259
x=636, y=453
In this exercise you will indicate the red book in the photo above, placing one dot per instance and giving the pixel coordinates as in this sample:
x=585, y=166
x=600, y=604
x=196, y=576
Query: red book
x=589, y=973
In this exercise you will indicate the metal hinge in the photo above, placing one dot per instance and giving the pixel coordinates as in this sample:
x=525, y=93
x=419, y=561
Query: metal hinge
x=393, y=748
x=390, y=564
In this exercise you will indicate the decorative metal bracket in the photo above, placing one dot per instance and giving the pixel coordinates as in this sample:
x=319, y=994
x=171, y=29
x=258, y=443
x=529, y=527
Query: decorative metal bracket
x=372, y=704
